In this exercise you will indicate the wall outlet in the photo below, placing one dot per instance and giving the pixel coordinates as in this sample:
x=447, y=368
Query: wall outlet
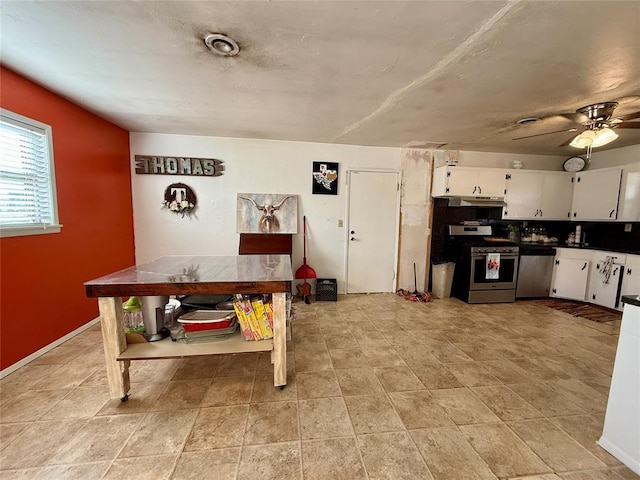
x=627, y=227
x=340, y=223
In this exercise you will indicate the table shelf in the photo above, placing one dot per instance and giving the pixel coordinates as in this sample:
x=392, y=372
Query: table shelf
x=167, y=348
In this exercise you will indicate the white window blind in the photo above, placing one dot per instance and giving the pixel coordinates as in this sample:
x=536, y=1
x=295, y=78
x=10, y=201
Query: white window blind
x=27, y=182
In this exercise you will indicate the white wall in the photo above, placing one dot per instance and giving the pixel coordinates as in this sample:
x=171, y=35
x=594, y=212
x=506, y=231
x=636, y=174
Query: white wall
x=615, y=157
x=255, y=166
x=266, y=166
x=499, y=160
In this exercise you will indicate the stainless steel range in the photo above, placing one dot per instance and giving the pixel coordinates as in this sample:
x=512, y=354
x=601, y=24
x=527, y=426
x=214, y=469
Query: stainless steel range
x=486, y=266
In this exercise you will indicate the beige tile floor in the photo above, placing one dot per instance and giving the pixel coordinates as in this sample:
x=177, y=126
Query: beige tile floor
x=378, y=388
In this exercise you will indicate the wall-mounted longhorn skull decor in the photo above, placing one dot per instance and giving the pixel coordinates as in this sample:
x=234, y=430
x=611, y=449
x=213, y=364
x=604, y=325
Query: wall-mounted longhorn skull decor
x=267, y=213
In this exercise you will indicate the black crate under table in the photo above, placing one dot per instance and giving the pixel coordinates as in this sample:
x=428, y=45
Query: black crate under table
x=326, y=289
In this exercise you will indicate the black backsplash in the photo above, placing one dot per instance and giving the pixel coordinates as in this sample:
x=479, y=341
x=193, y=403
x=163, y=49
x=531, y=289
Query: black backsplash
x=601, y=235
x=444, y=215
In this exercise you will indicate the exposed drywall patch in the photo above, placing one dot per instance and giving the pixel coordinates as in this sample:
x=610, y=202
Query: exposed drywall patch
x=413, y=245
x=413, y=215
x=446, y=157
x=416, y=167
x=415, y=209
x=417, y=154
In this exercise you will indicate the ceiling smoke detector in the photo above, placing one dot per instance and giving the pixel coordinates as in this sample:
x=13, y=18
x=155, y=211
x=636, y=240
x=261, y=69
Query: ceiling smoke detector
x=222, y=45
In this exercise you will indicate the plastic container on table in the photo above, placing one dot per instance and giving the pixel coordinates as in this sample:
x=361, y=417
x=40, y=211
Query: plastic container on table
x=200, y=320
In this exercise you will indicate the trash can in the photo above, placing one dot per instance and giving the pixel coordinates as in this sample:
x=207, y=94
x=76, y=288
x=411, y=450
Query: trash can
x=442, y=278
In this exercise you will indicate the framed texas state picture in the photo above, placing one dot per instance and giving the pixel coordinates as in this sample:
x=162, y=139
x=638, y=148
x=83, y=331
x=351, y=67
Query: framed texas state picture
x=325, y=178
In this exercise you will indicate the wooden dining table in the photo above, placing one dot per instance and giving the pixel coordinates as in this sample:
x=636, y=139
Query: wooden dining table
x=189, y=275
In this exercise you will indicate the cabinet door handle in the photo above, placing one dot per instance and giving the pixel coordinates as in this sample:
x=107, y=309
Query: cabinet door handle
x=574, y=214
x=541, y=213
x=593, y=297
x=584, y=266
x=611, y=213
x=475, y=187
x=480, y=190
x=628, y=271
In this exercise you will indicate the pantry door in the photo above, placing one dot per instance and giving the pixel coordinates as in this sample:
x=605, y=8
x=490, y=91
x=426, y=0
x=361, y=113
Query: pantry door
x=372, y=228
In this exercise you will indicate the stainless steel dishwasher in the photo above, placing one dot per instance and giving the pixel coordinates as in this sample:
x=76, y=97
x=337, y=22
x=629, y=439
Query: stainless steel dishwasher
x=534, y=273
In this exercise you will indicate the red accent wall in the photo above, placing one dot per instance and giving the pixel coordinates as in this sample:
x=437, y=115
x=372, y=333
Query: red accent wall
x=42, y=295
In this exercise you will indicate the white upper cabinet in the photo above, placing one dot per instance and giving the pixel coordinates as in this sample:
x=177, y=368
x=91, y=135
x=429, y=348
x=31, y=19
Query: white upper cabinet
x=537, y=195
x=524, y=191
x=629, y=206
x=455, y=181
x=557, y=194
x=595, y=194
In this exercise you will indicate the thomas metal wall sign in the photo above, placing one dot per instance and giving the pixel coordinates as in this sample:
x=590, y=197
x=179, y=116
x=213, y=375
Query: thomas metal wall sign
x=204, y=167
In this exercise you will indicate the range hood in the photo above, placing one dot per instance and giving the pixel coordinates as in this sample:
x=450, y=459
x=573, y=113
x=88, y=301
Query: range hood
x=477, y=202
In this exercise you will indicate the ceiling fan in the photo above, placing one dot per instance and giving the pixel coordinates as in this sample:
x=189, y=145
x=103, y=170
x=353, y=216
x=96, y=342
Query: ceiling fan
x=596, y=125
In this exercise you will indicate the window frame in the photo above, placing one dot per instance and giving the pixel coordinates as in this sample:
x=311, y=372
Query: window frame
x=26, y=229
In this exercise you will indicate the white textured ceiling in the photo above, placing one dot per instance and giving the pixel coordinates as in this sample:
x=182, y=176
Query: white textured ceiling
x=390, y=73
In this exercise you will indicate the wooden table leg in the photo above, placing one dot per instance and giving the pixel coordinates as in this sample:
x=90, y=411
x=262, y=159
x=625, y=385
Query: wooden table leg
x=279, y=339
x=114, y=342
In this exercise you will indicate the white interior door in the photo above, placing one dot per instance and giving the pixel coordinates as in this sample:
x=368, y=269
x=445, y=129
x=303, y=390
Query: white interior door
x=372, y=228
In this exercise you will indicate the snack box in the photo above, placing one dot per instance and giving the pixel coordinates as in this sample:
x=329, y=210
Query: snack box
x=199, y=320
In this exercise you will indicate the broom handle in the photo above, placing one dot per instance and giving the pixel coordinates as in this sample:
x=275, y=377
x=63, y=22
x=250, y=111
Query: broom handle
x=304, y=239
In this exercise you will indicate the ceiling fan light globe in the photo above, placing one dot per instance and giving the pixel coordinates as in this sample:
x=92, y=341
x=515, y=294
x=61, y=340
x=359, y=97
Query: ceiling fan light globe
x=585, y=139
x=604, y=136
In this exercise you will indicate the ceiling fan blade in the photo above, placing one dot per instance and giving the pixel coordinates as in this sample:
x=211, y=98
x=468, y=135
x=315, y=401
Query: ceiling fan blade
x=629, y=116
x=547, y=133
x=564, y=144
x=574, y=117
x=627, y=125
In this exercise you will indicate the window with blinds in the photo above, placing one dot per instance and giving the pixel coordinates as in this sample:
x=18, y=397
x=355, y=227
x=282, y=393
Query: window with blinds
x=27, y=177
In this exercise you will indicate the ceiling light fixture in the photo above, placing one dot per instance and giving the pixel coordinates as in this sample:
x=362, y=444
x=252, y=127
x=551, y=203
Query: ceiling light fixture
x=222, y=45
x=594, y=138
x=603, y=136
x=584, y=139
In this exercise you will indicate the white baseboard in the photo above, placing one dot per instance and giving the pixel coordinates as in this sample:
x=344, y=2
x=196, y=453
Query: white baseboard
x=624, y=457
x=46, y=348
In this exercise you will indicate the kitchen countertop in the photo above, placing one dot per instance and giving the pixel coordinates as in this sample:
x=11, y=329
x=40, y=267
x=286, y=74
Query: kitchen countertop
x=631, y=300
x=534, y=245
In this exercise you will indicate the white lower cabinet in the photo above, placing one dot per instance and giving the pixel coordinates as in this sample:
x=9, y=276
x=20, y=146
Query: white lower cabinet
x=604, y=283
x=570, y=278
x=631, y=277
x=581, y=274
